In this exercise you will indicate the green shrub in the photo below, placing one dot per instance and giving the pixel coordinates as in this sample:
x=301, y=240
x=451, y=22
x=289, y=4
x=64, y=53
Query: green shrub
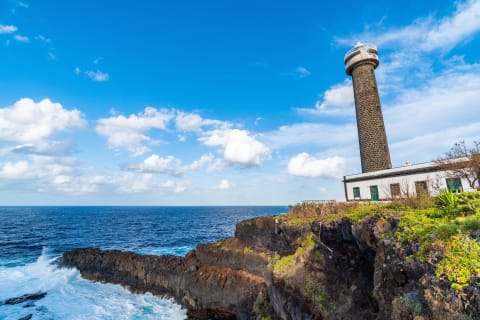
x=321, y=299
x=442, y=232
x=260, y=306
x=285, y=263
x=469, y=223
x=362, y=211
x=446, y=199
x=324, y=303
x=412, y=303
x=461, y=260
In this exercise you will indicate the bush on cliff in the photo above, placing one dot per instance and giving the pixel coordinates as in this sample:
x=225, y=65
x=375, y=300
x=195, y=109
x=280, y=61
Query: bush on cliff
x=445, y=230
x=287, y=263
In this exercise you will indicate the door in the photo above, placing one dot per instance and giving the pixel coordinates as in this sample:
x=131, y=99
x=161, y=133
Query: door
x=454, y=185
x=374, y=193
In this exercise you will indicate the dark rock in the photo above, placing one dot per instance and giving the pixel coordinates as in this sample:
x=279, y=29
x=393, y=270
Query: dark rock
x=192, y=284
x=26, y=297
x=28, y=305
x=27, y=317
x=209, y=314
x=270, y=233
x=355, y=270
x=234, y=254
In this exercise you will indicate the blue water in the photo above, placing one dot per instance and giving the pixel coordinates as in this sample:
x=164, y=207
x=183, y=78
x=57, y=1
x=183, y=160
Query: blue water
x=31, y=238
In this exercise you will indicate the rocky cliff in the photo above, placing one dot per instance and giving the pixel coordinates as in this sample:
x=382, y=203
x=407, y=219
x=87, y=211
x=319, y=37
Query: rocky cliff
x=302, y=265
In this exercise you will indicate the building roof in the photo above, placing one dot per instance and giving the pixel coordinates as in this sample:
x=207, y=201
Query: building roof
x=398, y=171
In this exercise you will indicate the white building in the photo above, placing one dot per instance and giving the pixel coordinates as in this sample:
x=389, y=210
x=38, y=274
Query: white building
x=409, y=180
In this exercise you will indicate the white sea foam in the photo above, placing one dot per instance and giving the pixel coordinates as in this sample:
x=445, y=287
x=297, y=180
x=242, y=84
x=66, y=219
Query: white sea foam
x=71, y=297
x=176, y=251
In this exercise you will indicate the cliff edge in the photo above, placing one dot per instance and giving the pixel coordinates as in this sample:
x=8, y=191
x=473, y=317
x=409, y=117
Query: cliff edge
x=320, y=261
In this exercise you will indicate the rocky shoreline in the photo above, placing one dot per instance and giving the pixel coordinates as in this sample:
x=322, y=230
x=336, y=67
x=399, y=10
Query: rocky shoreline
x=291, y=267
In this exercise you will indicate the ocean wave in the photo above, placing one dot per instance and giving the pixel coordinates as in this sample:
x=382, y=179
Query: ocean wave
x=71, y=297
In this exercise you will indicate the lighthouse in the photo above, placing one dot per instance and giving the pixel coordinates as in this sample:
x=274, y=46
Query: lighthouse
x=360, y=63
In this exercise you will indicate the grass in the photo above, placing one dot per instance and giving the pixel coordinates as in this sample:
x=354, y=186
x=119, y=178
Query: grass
x=446, y=231
x=247, y=250
x=286, y=263
x=320, y=298
x=461, y=260
x=445, y=228
x=297, y=221
x=260, y=307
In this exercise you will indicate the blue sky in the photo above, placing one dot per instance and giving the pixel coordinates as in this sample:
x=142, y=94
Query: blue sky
x=221, y=102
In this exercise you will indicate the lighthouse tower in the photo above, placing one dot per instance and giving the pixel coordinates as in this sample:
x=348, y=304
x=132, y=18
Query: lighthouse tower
x=360, y=63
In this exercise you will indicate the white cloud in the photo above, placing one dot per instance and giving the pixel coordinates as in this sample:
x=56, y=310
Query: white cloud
x=452, y=30
x=217, y=165
x=128, y=133
x=169, y=165
x=308, y=166
x=340, y=95
x=48, y=166
x=30, y=122
x=17, y=170
x=78, y=184
x=176, y=187
x=445, y=100
x=393, y=37
x=23, y=4
x=5, y=29
x=77, y=70
x=427, y=34
x=43, y=39
x=434, y=115
x=40, y=170
x=97, y=60
x=200, y=163
x=302, y=72
x=46, y=148
x=157, y=164
x=97, y=76
x=135, y=184
x=194, y=122
x=434, y=144
x=337, y=100
x=188, y=121
x=238, y=146
x=223, y=185
x=62, y=179
x=21, y=38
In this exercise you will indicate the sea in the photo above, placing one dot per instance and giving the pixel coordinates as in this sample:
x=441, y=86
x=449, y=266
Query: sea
x=33, y=238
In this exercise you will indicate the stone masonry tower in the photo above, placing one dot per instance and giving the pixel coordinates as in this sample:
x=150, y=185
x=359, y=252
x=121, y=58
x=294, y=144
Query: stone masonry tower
x=360, y=63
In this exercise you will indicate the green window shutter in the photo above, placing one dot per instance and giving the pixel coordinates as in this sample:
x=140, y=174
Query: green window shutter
x=356, y=192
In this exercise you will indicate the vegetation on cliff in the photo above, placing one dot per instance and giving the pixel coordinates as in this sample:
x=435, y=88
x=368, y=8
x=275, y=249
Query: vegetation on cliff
x=415, y=258
x=439, y=236
x=446, y=228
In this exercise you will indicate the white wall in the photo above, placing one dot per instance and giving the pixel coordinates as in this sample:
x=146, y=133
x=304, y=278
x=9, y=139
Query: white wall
x=435, y=182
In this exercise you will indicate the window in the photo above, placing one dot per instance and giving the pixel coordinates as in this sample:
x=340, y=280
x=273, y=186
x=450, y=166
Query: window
x=356, y=193
x=421, y=187
x=395, y=190
x=374, y=193
x=454, y=185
